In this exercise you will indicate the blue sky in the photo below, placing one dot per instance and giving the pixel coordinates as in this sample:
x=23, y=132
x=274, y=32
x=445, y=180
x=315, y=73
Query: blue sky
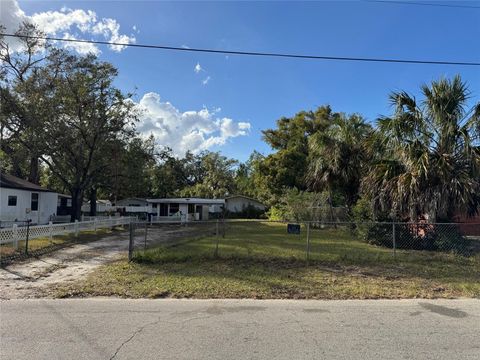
x=258, y=91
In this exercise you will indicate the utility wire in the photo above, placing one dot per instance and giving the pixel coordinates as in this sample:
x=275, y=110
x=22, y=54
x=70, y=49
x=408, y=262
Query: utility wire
x=248, y=53
x=423, y=4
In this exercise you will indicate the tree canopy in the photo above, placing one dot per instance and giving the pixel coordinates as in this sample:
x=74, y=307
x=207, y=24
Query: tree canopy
x=66, y=125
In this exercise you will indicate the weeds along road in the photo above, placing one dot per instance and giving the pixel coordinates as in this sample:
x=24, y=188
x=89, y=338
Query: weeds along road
x=239, y=329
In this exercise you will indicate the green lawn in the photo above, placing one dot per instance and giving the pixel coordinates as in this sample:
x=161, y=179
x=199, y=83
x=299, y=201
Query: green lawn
x=259, y=260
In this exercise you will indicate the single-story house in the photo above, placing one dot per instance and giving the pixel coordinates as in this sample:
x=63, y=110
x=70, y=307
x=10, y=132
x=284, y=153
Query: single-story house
x=134, y=205
x=103, y=206
x=64, y=205
x=239, y=203
x=22, y=200
x=468, y=225
x=190, y=208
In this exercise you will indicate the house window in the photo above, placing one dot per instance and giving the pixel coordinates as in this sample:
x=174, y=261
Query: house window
x=174, y=208
x=12, y=200
x=154, y=206
x=69, y=202
x=34, y=203
x=191, y=208
x=163, y=209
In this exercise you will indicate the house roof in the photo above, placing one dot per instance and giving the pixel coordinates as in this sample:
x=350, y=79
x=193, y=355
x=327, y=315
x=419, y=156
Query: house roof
x=188, y=201
x=13, y=182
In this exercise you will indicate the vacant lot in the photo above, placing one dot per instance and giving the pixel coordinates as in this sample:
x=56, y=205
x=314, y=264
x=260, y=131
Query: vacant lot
x=260, y=260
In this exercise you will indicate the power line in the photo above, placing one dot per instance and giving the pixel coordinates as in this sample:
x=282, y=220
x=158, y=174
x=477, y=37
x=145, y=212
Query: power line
x=249, y=53
x=423, y=4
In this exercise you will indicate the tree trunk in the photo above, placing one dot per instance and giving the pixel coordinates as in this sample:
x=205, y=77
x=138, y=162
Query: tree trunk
x=77, y=200
x=34, y=175
x=93, y=201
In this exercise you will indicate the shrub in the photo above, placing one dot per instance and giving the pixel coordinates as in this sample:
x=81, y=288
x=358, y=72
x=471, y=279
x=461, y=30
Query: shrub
x=423, y=236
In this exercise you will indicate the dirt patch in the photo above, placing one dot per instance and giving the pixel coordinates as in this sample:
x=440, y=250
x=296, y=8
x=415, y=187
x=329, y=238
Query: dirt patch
x=35, y=277
x=40, y=276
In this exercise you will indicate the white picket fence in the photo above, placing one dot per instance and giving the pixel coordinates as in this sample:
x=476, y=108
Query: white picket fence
x=15, y=234
x=174, y=219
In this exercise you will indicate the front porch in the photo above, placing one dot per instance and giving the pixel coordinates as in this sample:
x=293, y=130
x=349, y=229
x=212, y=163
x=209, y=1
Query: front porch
x=182, y=209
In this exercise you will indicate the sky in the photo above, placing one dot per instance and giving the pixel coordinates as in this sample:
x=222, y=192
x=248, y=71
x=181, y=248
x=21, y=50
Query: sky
x=193, y=101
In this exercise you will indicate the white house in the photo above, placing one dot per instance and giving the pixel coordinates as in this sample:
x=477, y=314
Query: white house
x=238, y=203
x=135, y=205
x=190, y=208
x=103, y=206
x=22, y=200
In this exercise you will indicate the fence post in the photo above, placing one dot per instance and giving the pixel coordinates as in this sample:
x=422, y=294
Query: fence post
x=15, y=235
x=26, y=238
x=224, y=228
x=95, y=225
x=217, y=238
x=308, y=242
x=146, y=230
x=394, y=241
x=130, y=241
x=50, y=231
x=75, y=227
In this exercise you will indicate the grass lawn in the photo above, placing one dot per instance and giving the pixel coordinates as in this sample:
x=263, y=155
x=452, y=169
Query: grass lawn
x=259, y=260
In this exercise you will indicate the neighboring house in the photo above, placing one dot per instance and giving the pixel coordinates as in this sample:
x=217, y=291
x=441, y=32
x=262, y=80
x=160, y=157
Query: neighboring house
x=103, y=206
x=239, y=203
x=468, y=225
x=135, y=205
x=64, y=205
x=190, y=208
x=22, y=200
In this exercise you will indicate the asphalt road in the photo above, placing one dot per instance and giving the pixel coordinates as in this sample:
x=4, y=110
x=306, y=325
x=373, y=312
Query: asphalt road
x=239, y=329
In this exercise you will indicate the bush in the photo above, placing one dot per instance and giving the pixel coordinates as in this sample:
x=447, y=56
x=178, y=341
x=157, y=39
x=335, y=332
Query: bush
x=248, y=212
x=432, y=237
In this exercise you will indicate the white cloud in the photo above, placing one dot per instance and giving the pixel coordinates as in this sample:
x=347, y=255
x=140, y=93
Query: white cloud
x=206, y=80
x=10, y=17
x=189, y=130
x=71, y=23
x=81, y=48
x=197, y=68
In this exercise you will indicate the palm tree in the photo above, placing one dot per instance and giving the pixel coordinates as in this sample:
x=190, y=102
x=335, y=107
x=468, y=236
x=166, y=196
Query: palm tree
x=429, y=163
x=337, y=157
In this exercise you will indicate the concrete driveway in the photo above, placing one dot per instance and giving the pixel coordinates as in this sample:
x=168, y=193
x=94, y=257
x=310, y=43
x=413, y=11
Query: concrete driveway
x=239, y=329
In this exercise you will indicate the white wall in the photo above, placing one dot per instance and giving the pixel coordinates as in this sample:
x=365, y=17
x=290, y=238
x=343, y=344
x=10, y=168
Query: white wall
x=127, y=202
x=205, y=212
x=237, y=204
x=183, y=208
x=47, y=206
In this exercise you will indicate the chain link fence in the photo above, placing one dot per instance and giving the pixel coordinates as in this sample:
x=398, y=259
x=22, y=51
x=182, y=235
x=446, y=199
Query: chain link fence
x=311, y=241
x=160, y=235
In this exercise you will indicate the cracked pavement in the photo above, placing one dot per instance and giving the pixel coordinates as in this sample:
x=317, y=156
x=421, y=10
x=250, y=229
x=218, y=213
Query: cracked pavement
x=106, y=328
